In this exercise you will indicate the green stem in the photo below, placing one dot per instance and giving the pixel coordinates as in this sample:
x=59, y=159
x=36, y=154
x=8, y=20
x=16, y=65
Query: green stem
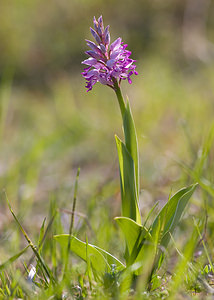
x=119, y=96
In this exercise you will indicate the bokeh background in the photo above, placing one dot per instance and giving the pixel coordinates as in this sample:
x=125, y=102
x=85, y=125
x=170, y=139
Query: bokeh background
x=50, y=125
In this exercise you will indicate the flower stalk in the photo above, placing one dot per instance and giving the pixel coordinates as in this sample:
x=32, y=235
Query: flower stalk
x=119, y=96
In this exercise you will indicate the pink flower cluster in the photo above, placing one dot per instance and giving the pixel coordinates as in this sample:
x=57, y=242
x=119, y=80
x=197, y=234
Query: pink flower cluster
x=106, y=62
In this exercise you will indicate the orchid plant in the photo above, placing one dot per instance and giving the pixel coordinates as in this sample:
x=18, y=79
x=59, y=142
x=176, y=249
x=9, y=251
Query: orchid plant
x=110, y=64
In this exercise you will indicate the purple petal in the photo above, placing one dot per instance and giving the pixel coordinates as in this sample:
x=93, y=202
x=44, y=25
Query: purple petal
x=115, y=54
x=103, y=80
x=93, y=54
x=106, y=31
x=100, y=26
x=95, y=35
x=99, y=31
x=110, y=62
x=128, y=53
x=95, y=24
x=91, y=73
x=106, y=36
x=103, y=48
x=116, y=44
x=116, y=73
x=89, y=61
x=94, y=47
x=100, y=22
x=128, y=65
x=107, y=39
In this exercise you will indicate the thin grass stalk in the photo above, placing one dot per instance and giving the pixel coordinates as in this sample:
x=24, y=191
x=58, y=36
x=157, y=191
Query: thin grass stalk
x=72, y=221
x=33, y=247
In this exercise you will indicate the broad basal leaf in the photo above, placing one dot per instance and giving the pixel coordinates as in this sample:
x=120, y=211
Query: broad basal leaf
x=132, y=231
x=100, y=259
x=111, y=259
x=168, y=218
x=138, y=240
x=171, y=213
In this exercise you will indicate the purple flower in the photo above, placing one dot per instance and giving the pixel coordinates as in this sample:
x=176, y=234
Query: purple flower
x=106, y=62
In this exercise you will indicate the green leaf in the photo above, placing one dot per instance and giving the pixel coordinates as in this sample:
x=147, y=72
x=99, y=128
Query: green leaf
x=13, y=258
x=140, y=246
x=131, y=142
x=88, y=259
x=184, y=265
x=132, y=231
x=100, y=259
x=41, y=236
x=130, y=207
x=111, y=259
x=171, y=213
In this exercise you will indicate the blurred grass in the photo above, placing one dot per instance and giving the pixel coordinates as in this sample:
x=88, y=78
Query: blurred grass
x=47, y=135
x=50, y=126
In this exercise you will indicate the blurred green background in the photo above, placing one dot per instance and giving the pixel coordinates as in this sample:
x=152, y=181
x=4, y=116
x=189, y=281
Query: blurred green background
x=50, y=126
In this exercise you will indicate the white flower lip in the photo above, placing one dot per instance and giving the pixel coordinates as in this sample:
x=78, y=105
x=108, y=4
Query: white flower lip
x=31, y=274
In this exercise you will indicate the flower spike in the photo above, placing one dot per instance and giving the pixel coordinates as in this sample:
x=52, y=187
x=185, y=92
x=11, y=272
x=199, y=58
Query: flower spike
x=107, y=63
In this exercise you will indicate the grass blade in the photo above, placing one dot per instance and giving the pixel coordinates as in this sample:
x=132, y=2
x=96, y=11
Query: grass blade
x=33, y=247
x=13, y=258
